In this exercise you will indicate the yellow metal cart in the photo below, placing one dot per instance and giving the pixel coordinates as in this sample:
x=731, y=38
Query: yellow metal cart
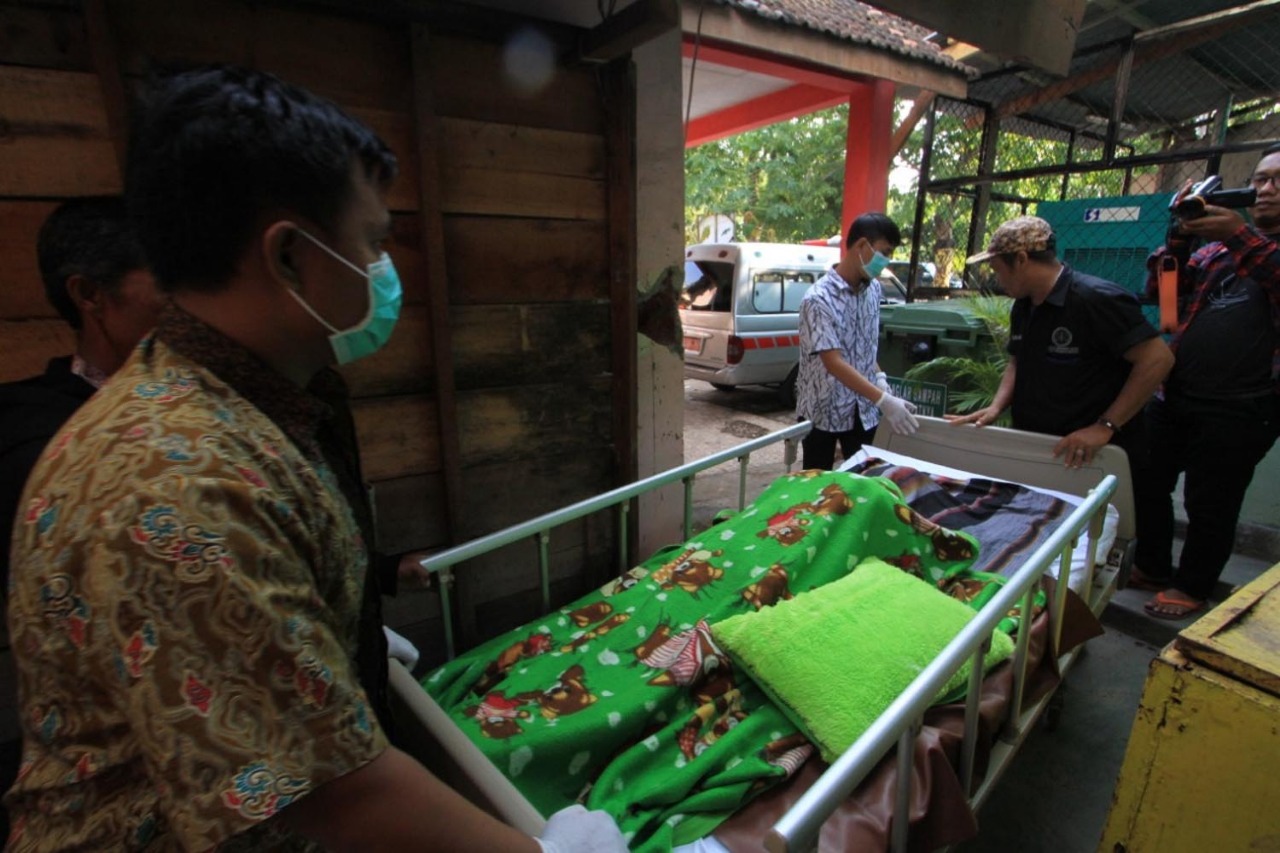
x=1202, y=769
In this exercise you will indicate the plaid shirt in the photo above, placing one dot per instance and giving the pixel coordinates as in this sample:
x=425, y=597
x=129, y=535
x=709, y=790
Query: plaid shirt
x=1245, y=253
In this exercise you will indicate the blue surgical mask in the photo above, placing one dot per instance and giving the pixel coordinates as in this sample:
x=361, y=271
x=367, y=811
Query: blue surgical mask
x=371, y=333
x=875, y=265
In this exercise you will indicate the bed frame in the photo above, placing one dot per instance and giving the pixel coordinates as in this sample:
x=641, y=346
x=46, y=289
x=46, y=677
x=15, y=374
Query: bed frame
x=435, y=739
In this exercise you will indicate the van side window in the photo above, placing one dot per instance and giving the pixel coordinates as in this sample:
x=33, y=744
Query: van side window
x=779, y=291
x=708, y=286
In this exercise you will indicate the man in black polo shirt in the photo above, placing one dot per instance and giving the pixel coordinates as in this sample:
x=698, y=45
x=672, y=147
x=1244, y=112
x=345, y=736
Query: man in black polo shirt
x=1083, y=360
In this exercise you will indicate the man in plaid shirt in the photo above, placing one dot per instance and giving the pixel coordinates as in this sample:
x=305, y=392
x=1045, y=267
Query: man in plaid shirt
x=1219, y=413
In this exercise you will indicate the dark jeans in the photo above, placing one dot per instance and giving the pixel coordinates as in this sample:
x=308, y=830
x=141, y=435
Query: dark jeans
x=819, y=446
x=1217, y=444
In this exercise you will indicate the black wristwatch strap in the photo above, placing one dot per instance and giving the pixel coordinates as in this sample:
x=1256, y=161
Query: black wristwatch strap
x=1111, y=425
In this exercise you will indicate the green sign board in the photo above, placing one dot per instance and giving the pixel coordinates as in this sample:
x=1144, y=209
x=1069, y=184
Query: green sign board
x=930, y=397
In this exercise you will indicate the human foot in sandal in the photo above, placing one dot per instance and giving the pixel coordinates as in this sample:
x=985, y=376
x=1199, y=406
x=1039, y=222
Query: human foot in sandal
x=1172, y=604
x=1140, y=580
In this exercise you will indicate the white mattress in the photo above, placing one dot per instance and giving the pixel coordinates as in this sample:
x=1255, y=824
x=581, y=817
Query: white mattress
x=1079, y=557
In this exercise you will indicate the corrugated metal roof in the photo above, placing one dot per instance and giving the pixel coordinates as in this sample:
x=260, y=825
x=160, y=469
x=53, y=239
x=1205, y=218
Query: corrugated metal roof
x=854, y=21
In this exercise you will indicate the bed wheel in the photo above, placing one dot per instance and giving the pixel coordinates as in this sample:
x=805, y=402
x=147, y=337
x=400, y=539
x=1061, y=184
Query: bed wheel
x=1053, y=711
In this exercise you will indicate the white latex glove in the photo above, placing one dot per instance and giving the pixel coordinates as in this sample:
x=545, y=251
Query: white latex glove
x=400, y=648
x=576, y=830
x=900, y=414
x=881, y=381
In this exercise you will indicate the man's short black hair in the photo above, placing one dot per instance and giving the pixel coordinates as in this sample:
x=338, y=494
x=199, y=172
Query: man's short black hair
x=215, y=149
x=92, y=237
x=873, y=226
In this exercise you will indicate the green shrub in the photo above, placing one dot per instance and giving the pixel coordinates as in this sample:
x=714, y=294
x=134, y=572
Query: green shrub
x=972, y=381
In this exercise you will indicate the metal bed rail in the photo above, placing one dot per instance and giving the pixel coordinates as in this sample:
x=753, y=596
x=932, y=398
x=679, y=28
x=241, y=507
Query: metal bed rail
x=798, y=829
x=540, y=528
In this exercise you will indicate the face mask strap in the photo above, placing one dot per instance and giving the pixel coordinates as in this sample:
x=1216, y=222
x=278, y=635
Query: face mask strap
x=305, y=307
x=331, y=252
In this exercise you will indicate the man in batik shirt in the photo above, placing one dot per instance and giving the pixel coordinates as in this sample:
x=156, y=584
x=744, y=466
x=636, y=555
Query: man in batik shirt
x=187, y=574
x=840, y=386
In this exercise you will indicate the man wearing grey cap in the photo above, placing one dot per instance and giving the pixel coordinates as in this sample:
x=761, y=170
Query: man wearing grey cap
x=1083, y=359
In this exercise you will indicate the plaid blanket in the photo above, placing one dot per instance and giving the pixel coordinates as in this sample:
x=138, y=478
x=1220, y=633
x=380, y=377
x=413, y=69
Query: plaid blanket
x=1010, y=521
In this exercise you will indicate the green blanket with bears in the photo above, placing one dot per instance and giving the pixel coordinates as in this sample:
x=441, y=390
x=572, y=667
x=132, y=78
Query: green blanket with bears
x=622, y=700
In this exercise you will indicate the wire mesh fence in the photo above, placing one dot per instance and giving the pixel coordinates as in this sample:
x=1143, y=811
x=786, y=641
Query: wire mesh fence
x=1100, y=152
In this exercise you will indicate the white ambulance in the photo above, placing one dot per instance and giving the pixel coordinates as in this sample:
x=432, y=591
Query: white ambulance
x=740, y=311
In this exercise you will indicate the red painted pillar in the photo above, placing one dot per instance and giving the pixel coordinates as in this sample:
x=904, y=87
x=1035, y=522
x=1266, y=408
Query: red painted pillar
x=867, y=156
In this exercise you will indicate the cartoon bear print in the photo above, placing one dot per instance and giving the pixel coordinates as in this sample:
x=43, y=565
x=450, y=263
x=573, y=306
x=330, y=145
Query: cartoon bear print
x=786, y=527
x=832, y=500
x=769, y=590
x=721, y=715
x=598, y=631
x=909, y=563
x=661, y=633
x=584, y=616
x=623, y=582
x=950, y=546
x=963, y=589
x=568, y=695
x=788, y=752
x=688, y=659
x=498, y=716
x=535, y=644
x=946, y=544
x=690, y=571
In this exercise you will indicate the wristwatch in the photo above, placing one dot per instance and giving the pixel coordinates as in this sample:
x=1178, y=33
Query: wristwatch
x=1111, y=425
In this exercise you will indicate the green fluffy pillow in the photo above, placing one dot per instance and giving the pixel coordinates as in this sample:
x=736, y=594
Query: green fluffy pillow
x=836, y=657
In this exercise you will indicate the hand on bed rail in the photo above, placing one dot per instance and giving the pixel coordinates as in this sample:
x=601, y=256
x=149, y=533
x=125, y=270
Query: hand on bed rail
x=1078, y=448
x=409, y=572
x=980, y=418
x=576, y=830
x=900, y=414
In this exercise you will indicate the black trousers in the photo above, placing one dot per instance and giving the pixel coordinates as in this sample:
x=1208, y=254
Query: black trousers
x=1217, y=444
x=819, y=446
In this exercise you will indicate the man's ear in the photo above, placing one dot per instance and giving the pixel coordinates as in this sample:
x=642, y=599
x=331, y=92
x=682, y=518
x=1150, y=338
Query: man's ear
x=279, y=243
x=85, y=294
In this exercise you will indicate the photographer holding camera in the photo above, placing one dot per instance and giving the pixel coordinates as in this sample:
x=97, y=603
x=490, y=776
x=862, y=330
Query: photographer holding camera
x=1219, y=412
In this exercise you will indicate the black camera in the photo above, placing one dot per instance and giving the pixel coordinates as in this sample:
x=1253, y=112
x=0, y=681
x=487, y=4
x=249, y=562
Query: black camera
x=1209, y=191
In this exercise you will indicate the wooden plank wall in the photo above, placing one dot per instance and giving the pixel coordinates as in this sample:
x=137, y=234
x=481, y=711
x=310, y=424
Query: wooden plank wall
x=522, y=205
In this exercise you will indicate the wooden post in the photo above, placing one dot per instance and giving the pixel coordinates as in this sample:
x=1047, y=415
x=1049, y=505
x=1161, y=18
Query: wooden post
x=618, y=91
x=427, y=144
x=106, y=64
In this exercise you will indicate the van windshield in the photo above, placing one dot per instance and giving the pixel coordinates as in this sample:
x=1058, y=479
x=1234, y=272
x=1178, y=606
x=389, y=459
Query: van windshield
x=779, y=291
x=708, y=286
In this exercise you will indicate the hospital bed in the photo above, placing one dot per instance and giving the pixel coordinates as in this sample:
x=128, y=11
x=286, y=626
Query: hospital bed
x=1095, y=535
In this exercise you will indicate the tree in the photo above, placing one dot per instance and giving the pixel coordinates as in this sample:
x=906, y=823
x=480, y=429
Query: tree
x=780, y=183
x=784, y=182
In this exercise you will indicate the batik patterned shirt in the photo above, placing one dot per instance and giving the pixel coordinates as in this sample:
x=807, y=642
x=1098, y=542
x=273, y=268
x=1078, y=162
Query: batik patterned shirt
x=183, y=608
x=834, y=317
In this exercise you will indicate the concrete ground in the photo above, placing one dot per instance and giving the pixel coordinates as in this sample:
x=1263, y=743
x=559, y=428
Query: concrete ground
x=1056, y=795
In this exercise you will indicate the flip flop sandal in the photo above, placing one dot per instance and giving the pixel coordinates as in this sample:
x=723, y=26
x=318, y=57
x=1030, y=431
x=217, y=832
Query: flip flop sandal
x=1138, y=580
x=1186, y=605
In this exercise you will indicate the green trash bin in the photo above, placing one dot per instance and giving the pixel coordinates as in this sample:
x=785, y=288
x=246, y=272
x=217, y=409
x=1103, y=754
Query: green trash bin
x=917, y=332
